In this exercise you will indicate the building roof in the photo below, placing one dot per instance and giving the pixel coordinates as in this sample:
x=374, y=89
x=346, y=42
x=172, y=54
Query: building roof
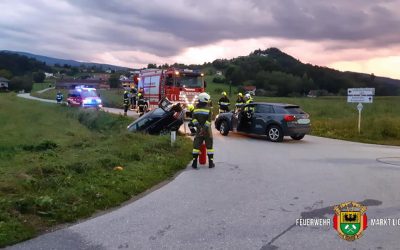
x=249, y=87
x=2, y=79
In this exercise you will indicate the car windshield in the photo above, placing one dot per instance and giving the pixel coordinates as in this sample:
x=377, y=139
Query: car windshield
x=189, y=81
x=89, y=94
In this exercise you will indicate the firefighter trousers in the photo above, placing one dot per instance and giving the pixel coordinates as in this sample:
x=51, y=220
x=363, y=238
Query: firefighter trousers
x=198, y=140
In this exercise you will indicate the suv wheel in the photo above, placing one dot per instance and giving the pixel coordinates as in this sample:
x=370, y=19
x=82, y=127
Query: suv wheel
x=275, y=133
x=297, y=137
x=223, y=128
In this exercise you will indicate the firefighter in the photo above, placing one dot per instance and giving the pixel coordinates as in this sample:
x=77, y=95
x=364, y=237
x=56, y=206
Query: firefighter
x=59, y=97
x=239, y=102
x=133, y=97
x=190, y=124
x=142, y=104
x=248, y=110
x=126, y=102
x=202, y=121
x=224, y=103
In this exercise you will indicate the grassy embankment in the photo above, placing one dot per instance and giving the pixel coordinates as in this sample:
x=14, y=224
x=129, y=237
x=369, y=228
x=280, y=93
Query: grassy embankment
x=56, y=164
x=331, y=117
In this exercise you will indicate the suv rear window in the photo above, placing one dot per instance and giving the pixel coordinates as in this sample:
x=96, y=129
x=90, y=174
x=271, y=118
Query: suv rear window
x=288, y=110
x=294, y=110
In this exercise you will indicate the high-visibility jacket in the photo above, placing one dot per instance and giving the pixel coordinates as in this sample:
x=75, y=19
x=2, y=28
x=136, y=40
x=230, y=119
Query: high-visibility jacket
x=202, y=120
x=224, y=103
x=250, y=100
x=239, y=102
x=126, y=98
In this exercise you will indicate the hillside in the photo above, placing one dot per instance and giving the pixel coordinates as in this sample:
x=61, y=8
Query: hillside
x=54, y=61
x=276, y=73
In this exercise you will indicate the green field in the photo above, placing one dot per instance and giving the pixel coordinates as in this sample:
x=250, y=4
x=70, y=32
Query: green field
x=333, y=117
x=57, y=164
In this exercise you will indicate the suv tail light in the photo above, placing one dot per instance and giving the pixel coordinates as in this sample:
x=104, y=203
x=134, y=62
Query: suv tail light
x=289, y=118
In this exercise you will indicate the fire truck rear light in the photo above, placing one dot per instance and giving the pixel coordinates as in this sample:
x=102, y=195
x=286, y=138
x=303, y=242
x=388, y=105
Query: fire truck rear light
x=177, y=73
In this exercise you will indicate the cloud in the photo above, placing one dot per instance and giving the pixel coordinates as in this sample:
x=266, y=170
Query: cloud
x=137, y=32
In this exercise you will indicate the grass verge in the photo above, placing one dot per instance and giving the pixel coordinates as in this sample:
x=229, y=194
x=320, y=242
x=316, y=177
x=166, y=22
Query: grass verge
x=57, y=165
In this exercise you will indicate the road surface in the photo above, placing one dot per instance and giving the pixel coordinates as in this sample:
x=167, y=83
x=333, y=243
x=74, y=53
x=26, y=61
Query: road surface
x=251, y=200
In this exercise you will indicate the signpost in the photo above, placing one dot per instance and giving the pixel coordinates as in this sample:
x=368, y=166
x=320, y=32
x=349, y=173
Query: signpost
x=360, y=95
x=360, y=108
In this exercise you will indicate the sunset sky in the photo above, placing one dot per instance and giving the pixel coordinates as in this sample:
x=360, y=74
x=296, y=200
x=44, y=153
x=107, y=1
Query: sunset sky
x=356, y=35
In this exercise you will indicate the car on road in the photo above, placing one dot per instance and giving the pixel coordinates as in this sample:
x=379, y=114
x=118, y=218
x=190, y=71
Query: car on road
x=84, y=97
x=273, y=120
x=162, y=120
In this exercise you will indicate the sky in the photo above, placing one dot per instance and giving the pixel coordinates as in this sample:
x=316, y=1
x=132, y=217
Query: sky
x=348, y=35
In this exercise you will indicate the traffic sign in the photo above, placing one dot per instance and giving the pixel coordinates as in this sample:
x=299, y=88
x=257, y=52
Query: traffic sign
x=360, y=98
x=361, y=91
x=360, y=107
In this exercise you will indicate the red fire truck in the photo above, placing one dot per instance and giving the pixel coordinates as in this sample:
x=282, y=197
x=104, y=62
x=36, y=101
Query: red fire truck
x=178, y=85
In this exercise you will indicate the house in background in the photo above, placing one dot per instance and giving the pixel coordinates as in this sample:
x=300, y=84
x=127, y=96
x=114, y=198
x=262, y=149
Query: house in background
x=4, y=84
x=91, y=83
x=250, y=89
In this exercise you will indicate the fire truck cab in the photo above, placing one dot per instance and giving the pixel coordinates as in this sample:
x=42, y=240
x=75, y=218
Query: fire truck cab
x=178, y=85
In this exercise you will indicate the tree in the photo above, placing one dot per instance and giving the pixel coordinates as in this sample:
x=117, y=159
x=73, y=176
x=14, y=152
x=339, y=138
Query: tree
x=151, y=66
x=21, y=83
x=6, y=74
x=234, y=74
x=38, y=77
x=114, y=81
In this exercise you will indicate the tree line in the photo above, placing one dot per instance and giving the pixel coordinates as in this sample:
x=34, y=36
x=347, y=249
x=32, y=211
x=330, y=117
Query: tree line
x=21, y=70
x=279, y=74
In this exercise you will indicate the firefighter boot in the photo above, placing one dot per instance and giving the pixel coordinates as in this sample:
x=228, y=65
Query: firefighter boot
x=194, y=163
x=211, y=161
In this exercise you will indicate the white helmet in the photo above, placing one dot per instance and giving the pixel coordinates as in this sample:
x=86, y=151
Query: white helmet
x=204, y=97
x=248, y=96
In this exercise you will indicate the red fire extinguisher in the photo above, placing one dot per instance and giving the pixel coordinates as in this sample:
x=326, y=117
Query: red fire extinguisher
x=203, y=154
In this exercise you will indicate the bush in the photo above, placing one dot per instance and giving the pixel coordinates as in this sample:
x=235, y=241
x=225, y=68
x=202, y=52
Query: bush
x=21, y=83
x=218, y=79
x=38, y=77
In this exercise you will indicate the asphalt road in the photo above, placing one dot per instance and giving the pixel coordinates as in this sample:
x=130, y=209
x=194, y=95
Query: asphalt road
x=251, y=200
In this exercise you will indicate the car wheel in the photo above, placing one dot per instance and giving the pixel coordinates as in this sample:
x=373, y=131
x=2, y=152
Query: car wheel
x=223, y=128
x=275, y=133
x=297, y=137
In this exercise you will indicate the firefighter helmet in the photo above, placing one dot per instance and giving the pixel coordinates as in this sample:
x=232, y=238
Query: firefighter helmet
x=240, y=94
x=190, y=107
x=247, y=96
x=223, y=93
x=139, y=95
x=204, y=97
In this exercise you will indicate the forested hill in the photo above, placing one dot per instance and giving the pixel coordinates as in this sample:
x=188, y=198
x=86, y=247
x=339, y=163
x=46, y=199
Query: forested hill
x=279, y=74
